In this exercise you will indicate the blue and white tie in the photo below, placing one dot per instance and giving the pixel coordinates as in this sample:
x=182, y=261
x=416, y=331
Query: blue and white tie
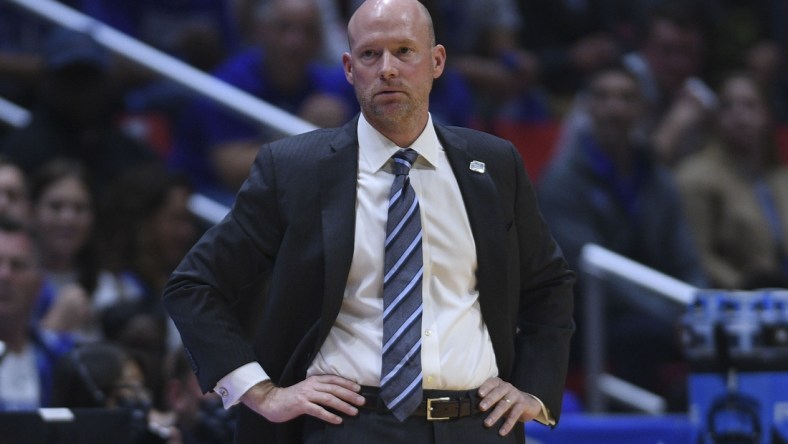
x=401, y=376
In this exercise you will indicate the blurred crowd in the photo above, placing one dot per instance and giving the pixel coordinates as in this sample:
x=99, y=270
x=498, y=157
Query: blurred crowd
x=667, y=143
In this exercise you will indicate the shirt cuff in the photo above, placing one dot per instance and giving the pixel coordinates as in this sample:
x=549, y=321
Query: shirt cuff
x=544, y=417
x=239, y=381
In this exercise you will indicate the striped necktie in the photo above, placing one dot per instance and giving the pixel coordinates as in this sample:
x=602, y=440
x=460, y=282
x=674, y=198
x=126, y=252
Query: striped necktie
x=400, y=379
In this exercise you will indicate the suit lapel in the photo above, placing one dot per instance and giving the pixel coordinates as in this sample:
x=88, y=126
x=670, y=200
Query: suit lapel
x=339, y=173
x=482, y=203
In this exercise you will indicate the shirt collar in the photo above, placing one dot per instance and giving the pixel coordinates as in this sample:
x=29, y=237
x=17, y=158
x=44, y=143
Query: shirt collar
x=375, y=149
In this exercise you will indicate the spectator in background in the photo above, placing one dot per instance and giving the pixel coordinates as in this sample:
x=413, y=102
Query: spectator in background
x=608, y=190
x=215, y=146
x=200, y=418
x=104, y=375
x=768, y=65
x=145, y=230
x=142, y=331
x=64, y=219
x=73, y=117
x=483, y=37
x=736, y=193
x=572, y=39
x=14, y=198
x=334, y=15
x=201, y=33
x=668, y=63
x=27, y=353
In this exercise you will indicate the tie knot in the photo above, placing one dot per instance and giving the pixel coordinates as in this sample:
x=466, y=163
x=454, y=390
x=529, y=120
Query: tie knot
x=403, y=161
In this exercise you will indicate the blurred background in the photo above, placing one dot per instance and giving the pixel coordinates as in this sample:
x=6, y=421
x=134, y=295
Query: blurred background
x=655, y=132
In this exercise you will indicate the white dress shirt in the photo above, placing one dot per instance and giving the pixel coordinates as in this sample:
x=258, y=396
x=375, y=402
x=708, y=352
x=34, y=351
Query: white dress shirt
x=456, y=352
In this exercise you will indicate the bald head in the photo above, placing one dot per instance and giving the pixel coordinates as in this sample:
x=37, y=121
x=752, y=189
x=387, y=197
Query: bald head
x=392, y=63
x=378, y=10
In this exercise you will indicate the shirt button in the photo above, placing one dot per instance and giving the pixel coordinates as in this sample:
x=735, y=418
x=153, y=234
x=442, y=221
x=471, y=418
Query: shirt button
x=223, y=392
x=428, y=333
x=430, y=379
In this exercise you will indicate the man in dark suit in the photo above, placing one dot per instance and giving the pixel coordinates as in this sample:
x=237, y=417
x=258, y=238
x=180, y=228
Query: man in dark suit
x=304, y=243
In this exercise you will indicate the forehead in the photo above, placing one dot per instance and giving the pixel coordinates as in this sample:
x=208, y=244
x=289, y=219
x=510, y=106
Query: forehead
x=387, y=26
x=294, y=10
x=739, y=86
x=10, y=174
x=613, y=80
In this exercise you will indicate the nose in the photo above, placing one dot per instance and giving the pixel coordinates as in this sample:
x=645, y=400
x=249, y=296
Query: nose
x=388, y=67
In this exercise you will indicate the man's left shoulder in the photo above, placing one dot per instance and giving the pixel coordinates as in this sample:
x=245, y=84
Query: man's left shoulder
x=478, y=143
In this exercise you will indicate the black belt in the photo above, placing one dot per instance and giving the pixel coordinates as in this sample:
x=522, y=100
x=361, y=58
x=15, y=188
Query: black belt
x=437, y=404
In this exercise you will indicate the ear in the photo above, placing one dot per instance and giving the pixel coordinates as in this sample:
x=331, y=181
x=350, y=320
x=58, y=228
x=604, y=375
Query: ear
x=346, y=59
x=438, y=60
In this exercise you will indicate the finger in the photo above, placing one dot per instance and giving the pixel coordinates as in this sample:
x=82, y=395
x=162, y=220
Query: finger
x=488, y=386
x=322, y=414
x=499, y=409
x=342, y=393
x=331, y=400
x=493, y=398
x=511, y=419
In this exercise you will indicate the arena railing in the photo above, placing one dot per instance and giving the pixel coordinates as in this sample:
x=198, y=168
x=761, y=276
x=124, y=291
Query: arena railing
x=230, y=97
x=663, y=294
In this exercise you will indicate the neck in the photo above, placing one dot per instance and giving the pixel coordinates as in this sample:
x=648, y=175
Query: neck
x=15, y=338
x=402, y=134
x=57, y=263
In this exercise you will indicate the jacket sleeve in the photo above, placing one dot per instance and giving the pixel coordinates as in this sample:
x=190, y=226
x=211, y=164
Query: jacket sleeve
x=545, y=322
x=223, y=274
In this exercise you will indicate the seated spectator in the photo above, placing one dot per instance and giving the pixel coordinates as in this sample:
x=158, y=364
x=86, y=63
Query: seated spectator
x=482, y=36
x=64, y=219
x=217, y=147
x=14, y=198
x=572, y=39
x=606, y=189
x=736, y=193
x=28, y=354
x=767, y=65
x=200, y=33
x=669, y=61
x=73, y=117
x=142, y=331
x=145, y=230
x=200, y=418
x=103, y=375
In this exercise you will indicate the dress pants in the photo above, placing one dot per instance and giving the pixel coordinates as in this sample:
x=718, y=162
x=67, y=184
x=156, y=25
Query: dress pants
x=383, y=428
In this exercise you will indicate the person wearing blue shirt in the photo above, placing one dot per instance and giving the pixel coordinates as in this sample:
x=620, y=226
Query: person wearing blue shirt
x=28, y=354
x=216, y=147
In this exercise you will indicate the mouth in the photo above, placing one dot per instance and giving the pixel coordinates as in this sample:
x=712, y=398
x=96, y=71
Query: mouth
x=389, y=92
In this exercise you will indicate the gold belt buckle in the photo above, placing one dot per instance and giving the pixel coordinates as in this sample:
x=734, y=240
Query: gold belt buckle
x=429, y=409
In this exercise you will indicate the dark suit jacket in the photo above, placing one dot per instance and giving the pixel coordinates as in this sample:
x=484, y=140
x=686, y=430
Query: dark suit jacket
x=284, y=253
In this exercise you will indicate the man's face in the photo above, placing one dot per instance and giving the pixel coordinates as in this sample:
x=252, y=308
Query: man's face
x=673, y=53
x=14, y=201
x=614, y=106
x=392, y=63
x=292, y=36
x=19, y=276
x=743, y=117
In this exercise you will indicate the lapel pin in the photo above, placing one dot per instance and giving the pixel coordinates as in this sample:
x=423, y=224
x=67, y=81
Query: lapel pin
x=477, y=166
